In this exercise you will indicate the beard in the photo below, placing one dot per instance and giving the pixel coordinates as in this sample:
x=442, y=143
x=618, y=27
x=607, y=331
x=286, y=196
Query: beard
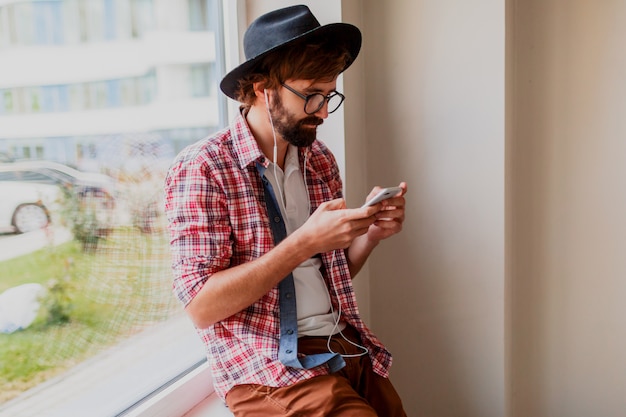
x=301, y=133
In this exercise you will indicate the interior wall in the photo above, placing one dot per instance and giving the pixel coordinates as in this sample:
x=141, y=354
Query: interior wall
x=566, y=169
x=434, y=116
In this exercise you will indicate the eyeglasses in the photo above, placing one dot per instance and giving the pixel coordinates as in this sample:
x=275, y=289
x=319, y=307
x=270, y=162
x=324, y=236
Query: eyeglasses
x=314, y=102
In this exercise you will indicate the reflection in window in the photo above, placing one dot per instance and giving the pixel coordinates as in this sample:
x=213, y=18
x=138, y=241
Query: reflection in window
x=198, y=15
x=6, y=101
x=55, y=98
x=147, y=88
x=33, y=99
x=56, y=22
x=141, y=16
x=47, y=18
x=201, y=80
x=112, y=93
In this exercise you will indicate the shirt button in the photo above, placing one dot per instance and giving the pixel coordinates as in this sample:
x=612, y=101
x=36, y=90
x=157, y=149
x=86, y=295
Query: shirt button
x=277, y=219
x=289, y=331
x=288, y=351
x=288, y=295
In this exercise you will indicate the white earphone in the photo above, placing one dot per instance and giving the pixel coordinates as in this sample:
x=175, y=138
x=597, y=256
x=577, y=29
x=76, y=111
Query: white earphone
x=275, y=156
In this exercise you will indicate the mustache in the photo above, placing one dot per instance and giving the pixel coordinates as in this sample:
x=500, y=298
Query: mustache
x=312, y=120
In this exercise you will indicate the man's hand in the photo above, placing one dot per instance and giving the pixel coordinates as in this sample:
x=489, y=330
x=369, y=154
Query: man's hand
x=390, y=216
x=333, y=226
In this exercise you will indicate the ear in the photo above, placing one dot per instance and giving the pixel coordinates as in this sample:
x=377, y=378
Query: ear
x=259, y=89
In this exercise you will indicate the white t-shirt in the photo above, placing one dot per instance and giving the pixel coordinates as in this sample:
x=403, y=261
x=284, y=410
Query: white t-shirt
x=312, y=300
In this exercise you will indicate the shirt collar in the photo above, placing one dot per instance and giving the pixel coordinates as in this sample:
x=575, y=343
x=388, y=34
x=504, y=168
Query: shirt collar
x=245, y=145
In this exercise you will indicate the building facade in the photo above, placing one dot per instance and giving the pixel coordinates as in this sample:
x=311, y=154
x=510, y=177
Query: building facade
x=93, y=83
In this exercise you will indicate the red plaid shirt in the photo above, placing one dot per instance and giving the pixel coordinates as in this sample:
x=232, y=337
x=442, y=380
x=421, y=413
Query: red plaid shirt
x=218, y=219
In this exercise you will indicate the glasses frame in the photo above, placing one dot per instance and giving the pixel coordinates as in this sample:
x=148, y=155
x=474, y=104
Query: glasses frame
x=326, y=99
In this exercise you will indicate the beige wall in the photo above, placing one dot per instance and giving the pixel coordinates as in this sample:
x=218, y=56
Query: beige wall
x=566, y=168
x=434, y=116
x=504, y=294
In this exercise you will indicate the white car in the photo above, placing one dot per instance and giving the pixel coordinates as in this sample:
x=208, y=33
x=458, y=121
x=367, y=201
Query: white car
x=26, y=206
x=91, y=186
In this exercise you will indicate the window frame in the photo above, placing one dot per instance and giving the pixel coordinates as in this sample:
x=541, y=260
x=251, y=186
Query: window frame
x=179, y=397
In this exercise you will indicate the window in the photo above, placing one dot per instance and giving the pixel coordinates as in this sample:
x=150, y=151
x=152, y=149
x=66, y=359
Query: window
x=6, y=101
x=21, y=23
x=198, y=15
x=55, y=98
x=47, y=22
x=201, y=76
x=104, y=260
x=142, y=17
x=33, y=98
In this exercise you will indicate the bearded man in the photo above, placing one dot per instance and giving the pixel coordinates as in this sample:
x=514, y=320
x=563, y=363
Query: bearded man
x=264, y=247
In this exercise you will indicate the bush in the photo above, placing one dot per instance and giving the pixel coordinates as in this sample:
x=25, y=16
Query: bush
x=87, y=219
x=57, y=302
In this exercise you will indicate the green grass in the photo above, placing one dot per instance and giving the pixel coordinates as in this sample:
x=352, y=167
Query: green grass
x=112, y=293
x=40, y=266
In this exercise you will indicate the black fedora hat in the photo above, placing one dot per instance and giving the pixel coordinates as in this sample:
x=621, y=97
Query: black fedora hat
x=286, y=27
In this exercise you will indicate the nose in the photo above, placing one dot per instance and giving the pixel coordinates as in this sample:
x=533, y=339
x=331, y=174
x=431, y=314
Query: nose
x=322, y=113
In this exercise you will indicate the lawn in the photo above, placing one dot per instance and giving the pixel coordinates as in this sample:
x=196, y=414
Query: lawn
x=121, y=288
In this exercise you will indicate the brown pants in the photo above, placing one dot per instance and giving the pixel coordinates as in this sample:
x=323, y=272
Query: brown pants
x=356, y=390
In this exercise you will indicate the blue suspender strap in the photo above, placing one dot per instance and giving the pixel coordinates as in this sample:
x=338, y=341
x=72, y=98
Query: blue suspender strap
x=288, y=344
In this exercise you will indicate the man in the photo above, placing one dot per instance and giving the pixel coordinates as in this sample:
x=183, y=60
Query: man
x=263, y=245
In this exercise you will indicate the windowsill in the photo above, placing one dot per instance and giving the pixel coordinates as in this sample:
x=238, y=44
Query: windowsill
x=191, y=396
x=116, y=379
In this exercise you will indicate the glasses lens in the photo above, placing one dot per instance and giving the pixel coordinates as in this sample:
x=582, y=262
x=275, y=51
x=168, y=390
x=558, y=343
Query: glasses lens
x=313, y=103
x=334, y=102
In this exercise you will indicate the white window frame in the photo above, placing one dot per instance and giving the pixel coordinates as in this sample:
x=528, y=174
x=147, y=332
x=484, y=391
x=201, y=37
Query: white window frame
x=179, y=398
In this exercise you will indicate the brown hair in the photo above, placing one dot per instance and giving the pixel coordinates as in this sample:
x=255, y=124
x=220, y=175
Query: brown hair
x=311, y=61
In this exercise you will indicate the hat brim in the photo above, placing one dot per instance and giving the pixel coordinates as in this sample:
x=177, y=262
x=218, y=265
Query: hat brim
x=341, y=34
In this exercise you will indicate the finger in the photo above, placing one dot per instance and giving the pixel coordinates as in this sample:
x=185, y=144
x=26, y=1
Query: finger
x=336, y=204
x=391, y=213
x=398, y=201
x=363, y=212
x=404, y=188
x=393, y=225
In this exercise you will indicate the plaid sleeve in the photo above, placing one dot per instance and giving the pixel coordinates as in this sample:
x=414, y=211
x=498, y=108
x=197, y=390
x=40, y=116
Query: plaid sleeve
x=200, y=230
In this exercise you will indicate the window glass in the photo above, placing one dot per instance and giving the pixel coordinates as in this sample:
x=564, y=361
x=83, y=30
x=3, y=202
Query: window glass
x=94, y=20
x=198, y=15
x=71, y=17
x=6, y=101
x=92, y=148
x=47, y=22
x=200, y=80
x=141, y=17
x=33, y=99
x=109, y=17
x=23, y=24
x=55, y=98
x=147, y=88
x=3, y=28
x=128, y=92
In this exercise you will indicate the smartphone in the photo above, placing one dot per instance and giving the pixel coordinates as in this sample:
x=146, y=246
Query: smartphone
x=383, y=194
